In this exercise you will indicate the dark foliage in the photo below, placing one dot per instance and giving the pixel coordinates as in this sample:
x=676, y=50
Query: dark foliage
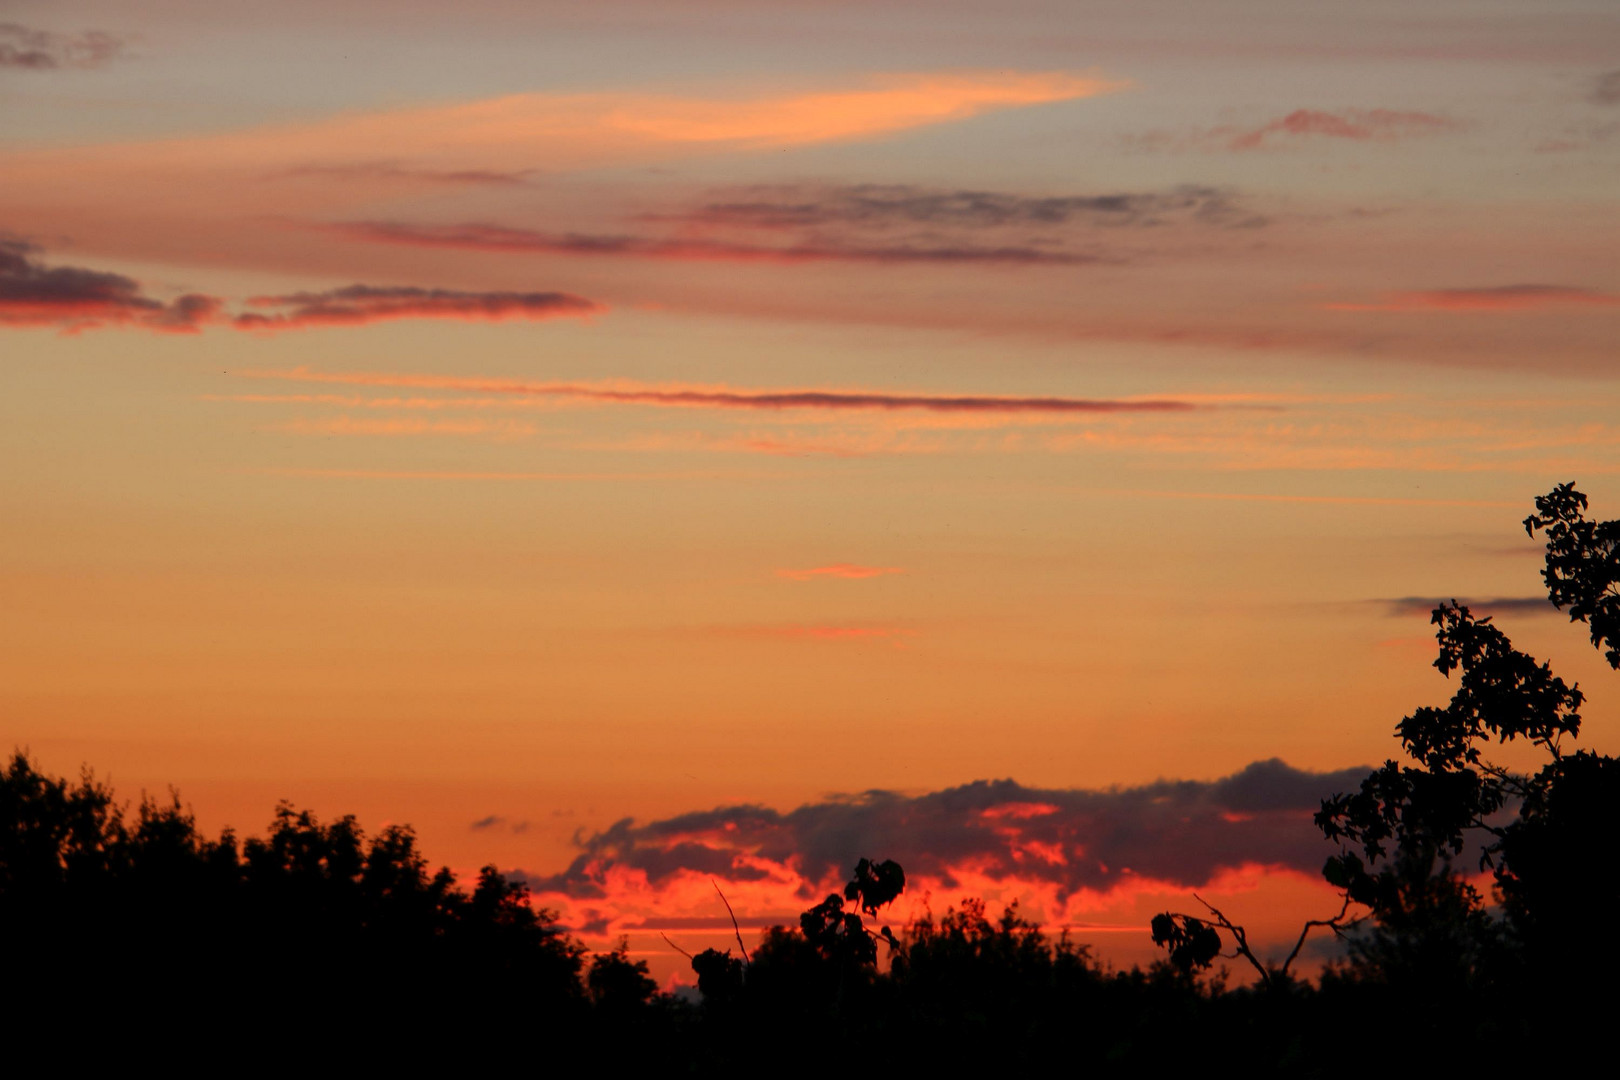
x=127, y=935
x=1583, y=565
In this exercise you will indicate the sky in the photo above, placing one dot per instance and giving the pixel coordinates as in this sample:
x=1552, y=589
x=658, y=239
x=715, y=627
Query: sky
x=662, y=445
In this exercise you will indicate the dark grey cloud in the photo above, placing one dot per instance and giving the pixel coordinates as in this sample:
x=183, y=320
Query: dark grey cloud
x=356, y=305
x=75, y=298
x=24, y=48
x=1606, y=89
x=1499, y=605
x=890, y=205
x=496, y=821
x=480, y=236
x=1180, y=831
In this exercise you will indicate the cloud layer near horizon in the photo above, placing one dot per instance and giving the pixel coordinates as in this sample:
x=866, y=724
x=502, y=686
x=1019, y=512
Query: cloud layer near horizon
x=1075, y=848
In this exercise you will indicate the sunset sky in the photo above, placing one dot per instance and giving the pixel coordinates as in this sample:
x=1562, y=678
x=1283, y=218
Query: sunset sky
x=656, y=442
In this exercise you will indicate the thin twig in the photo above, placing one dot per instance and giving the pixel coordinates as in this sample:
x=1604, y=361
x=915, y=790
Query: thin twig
x=735, y=928
x=676, y=947
x=1335, y=923
x=1238, y=936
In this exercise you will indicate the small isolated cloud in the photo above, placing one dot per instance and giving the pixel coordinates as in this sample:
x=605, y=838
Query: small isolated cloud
x=1357, y=124
x=1606, y=89
x=848, y=571
x=357, y=305
x=496, y=821
x=1496, y=298
x=1405, y=606
x=73, y=298
x=27, y=49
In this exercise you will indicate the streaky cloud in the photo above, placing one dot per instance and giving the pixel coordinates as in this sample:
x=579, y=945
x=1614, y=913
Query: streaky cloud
x=357, y=305
x=485, y=237
x=782, y=206
x=626, y=393
x=1406, y=606
x=848, y=571
x=1494, y=298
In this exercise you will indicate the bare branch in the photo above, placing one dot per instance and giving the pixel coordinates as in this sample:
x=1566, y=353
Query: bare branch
x=735, y=928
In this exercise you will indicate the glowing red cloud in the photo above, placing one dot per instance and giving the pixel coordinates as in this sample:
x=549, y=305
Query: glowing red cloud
x=1066, y=855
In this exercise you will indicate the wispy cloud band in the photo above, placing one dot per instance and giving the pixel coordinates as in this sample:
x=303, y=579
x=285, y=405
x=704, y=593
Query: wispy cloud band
x=624, y=393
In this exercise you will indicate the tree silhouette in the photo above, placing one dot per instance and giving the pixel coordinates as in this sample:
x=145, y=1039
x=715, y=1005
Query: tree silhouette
x=1548, y=837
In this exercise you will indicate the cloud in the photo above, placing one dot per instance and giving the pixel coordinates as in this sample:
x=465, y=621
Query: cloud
x=496, y=821
x=1606, y=89
x=1496, y=298
x=816, y=632
x=357, y=305
x=839, y=570
x=780, y=206
x=1358, y=124
x=27, y=49
x=865, y=223
x=1518, y=605
x=497, y=238
x=73, y=298
x=373, y=172
x=1181, y=833
x=630, y=393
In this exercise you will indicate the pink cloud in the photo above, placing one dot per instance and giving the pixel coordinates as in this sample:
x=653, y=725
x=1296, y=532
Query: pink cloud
x=73, y=298
x=628, y=393
x=1498, y=298
x=839, y=570
x=1359, y=124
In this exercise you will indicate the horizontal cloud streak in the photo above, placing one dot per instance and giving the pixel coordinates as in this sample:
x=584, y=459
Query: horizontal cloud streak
x=1495, y=298
x=720, y=398
x=496, y=238
x=839, y=570
x=813, y=206
x=1518, y=605
x=357, y=305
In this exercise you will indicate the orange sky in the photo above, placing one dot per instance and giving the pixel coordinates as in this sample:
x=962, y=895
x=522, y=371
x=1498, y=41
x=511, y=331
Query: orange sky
x=514, y=420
